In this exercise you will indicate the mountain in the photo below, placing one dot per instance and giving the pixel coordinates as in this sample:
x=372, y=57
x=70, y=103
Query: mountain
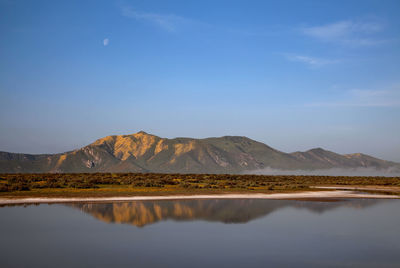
x=319, y=158
x=142, y=152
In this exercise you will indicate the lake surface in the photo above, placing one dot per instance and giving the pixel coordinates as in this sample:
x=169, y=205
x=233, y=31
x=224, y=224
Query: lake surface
x=202, y=233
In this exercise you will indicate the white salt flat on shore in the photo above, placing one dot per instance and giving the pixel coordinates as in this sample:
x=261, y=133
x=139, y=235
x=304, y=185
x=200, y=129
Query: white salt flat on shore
x=301, y=195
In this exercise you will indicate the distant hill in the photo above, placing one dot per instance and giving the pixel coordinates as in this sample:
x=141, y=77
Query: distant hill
x=142, y=152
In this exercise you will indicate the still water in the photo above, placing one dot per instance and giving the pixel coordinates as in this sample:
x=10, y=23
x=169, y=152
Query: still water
x=202, y=233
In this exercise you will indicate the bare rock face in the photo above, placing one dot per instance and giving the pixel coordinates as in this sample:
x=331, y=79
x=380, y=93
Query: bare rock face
x=89, y=164
x=142, y=152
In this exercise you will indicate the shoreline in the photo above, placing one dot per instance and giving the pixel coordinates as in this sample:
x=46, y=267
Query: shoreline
x=273, y=196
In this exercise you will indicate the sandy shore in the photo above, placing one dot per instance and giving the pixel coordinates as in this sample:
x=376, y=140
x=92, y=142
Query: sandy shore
x=282, y=196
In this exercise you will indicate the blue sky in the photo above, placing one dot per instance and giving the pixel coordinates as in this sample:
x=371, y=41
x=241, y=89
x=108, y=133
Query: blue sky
x=292, y=74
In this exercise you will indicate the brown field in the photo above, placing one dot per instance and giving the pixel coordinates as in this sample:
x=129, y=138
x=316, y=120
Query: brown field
x=131, y=184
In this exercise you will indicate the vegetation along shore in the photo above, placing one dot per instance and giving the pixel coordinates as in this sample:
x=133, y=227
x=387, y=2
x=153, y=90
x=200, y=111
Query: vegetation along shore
x=152, y=184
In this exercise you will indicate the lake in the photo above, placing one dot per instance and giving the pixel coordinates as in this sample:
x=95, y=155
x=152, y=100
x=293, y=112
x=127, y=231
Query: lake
x=202, y=233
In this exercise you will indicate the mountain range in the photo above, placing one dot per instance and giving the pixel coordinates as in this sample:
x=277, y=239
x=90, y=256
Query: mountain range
x=142, y=152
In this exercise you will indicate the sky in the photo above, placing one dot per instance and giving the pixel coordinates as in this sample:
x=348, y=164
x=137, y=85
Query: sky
x=295, y=75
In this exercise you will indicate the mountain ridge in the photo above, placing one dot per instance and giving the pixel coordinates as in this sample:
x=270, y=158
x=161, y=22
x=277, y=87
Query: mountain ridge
x=143, y=152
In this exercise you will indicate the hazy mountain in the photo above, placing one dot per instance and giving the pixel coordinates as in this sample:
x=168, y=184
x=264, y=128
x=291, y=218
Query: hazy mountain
x=142, y=152
x=320, y=158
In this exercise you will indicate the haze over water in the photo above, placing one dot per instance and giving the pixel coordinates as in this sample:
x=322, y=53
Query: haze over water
x=203, y=233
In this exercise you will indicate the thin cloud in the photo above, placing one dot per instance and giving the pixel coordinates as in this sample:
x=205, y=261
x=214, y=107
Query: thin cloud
x=365, y=98
x=311, y=61
x=349, y=32
x=168, y=22
x=106, y=41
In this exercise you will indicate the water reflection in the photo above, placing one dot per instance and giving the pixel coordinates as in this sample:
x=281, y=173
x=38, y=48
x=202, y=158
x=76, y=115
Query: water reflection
x=357, y=233
x=141, y=213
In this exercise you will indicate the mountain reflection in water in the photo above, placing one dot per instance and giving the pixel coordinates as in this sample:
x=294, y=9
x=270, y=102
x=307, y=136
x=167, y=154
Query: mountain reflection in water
x=141, y=213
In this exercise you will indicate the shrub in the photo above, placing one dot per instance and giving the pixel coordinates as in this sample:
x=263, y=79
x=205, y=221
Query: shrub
x=3, y=187
x=20, y=186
